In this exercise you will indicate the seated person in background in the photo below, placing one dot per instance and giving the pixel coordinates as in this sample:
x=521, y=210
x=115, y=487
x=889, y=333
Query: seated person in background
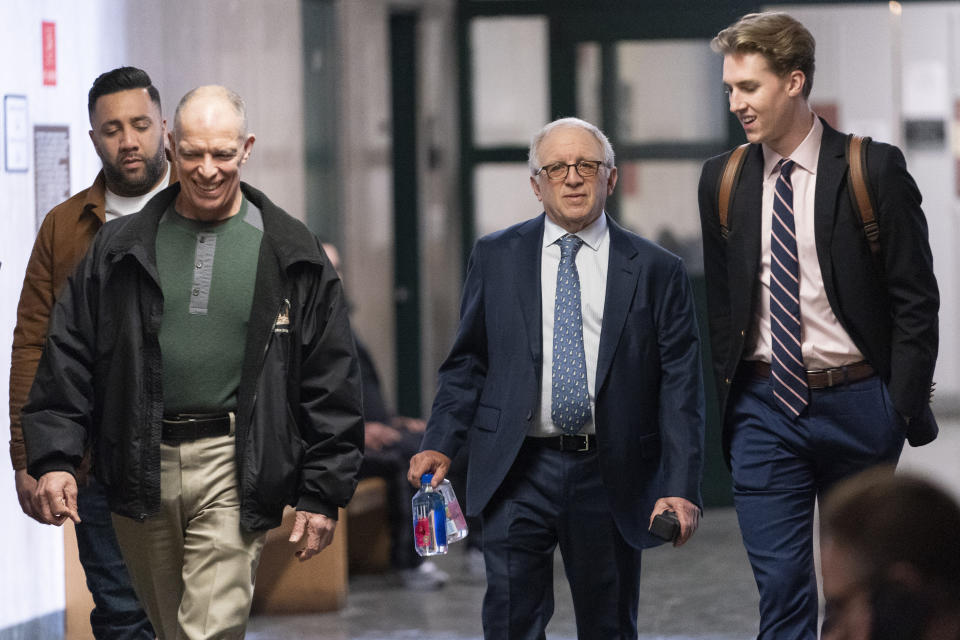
x=891, y=562
x=389, y=441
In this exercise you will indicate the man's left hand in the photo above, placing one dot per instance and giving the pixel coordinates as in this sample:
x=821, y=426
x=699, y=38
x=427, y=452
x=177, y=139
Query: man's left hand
x=318, y=529
x=687, y=513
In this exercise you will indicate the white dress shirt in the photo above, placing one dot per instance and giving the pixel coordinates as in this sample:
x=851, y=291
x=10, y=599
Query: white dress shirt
x=825, y=342
x=591, y=262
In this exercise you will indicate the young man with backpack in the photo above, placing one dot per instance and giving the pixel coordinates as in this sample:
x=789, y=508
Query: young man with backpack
x=823, y=352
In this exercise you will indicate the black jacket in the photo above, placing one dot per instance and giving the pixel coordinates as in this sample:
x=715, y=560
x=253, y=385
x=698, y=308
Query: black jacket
x=299, y=431
x=890, y=313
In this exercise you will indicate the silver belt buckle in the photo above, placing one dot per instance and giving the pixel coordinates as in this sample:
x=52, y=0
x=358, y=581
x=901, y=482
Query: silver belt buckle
x=586, y=443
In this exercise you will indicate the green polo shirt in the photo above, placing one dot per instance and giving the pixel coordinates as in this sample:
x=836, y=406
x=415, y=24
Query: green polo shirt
x=207, y=274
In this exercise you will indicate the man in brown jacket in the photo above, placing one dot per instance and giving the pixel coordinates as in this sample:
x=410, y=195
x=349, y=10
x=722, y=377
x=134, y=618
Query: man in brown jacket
x=128, y=131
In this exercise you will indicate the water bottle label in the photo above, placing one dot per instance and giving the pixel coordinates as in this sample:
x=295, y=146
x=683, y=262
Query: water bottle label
x=423, y=534
x=456, y=523
x=439, y=526
x=454, y=515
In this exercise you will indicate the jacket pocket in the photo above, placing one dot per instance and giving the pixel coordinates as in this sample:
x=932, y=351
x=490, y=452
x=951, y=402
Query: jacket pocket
x=487, y=418
x=274, y=459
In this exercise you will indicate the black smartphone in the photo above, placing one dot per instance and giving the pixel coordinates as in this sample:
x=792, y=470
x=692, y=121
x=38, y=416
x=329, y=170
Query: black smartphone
x=666, y=526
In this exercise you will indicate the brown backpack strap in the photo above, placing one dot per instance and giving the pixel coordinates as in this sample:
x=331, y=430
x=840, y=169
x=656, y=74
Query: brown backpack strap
x=728, y=181
x=857, y=160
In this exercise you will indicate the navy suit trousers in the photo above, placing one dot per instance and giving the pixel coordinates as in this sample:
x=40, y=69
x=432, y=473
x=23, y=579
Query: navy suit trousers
x=781, y=466
x=552, y=498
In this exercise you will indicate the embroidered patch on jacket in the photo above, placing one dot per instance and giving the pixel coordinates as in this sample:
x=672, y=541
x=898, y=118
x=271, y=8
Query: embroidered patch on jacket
x=282, y=323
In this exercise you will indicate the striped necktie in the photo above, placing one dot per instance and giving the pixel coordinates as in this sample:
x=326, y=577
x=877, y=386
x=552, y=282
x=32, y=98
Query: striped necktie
x=569, y=397
x=788, y=374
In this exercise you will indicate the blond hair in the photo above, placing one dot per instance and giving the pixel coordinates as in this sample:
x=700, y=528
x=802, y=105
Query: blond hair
x=781, y=39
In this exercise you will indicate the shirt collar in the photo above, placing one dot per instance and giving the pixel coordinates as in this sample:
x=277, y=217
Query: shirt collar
x=806, y=156
x=592, y=235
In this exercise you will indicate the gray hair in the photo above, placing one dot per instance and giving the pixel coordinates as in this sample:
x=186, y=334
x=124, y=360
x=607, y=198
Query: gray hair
x=230, y=95
x=533, y=157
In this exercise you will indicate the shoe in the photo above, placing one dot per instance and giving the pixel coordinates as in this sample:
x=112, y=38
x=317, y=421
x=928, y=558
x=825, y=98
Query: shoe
x=476, y=568
x=427, y=576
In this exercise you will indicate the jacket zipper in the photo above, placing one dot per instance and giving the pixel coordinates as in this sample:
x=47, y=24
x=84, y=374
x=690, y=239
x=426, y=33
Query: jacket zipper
x=283, y=314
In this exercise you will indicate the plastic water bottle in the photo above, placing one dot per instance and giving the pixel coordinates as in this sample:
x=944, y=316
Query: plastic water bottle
x=429, y=519
x=456, y=523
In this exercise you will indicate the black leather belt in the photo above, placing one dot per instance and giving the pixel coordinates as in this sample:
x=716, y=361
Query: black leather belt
x=184, y=427
x=580, y=442
x=819, y=378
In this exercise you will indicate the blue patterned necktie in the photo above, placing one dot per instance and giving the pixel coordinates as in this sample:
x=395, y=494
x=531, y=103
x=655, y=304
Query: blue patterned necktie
x=570, y=398
x=788, y=374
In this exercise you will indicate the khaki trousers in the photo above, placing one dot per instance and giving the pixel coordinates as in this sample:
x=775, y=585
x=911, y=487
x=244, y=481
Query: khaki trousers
x=191, y=564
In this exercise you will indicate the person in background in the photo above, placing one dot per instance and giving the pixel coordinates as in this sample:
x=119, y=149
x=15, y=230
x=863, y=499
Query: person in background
x=127, y=130
x=575, y=383
x=891, y=562
x=388, y=442
x=203, y=350
x=823, y=355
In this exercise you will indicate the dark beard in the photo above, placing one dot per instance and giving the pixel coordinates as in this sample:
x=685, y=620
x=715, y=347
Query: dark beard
x=154, y=168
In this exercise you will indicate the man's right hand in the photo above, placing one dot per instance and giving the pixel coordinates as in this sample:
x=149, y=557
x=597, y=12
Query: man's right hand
x=428, y=461
x=55, y=499
x=26, y=490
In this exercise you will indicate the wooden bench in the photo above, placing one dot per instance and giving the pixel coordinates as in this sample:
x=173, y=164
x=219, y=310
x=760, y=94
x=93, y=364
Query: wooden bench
x=287, y=586
x=368, y=540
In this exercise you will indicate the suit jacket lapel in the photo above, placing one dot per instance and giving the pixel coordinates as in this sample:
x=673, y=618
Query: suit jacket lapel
x=831, y=169
x=622, y=275
x=526, y=247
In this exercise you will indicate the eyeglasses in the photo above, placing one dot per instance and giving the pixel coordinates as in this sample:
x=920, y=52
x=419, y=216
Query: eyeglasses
x=559, y=170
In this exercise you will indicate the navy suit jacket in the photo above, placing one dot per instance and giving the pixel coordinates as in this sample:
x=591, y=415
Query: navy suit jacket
x=649, y=391
x=890, y=312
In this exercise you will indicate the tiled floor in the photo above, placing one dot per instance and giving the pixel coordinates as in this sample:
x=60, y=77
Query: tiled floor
x=703, y=590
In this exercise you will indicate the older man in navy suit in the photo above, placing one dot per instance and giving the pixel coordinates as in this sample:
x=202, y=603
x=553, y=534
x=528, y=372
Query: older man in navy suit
x=575, y=382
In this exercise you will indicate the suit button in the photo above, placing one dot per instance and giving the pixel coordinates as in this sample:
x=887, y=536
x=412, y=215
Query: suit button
x=727, y=380
x=743, y=333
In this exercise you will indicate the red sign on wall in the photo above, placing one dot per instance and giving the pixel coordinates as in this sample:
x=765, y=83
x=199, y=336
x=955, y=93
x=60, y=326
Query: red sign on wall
x=49, y=54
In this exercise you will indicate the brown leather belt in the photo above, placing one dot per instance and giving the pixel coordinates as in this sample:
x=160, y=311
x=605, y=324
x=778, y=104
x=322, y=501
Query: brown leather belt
x=580, y=442
x=820, y=378
x=184, y=427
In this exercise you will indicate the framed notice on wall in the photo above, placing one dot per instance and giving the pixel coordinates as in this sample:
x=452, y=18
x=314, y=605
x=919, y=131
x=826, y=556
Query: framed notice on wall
x=51, y=152
x=15, y=133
